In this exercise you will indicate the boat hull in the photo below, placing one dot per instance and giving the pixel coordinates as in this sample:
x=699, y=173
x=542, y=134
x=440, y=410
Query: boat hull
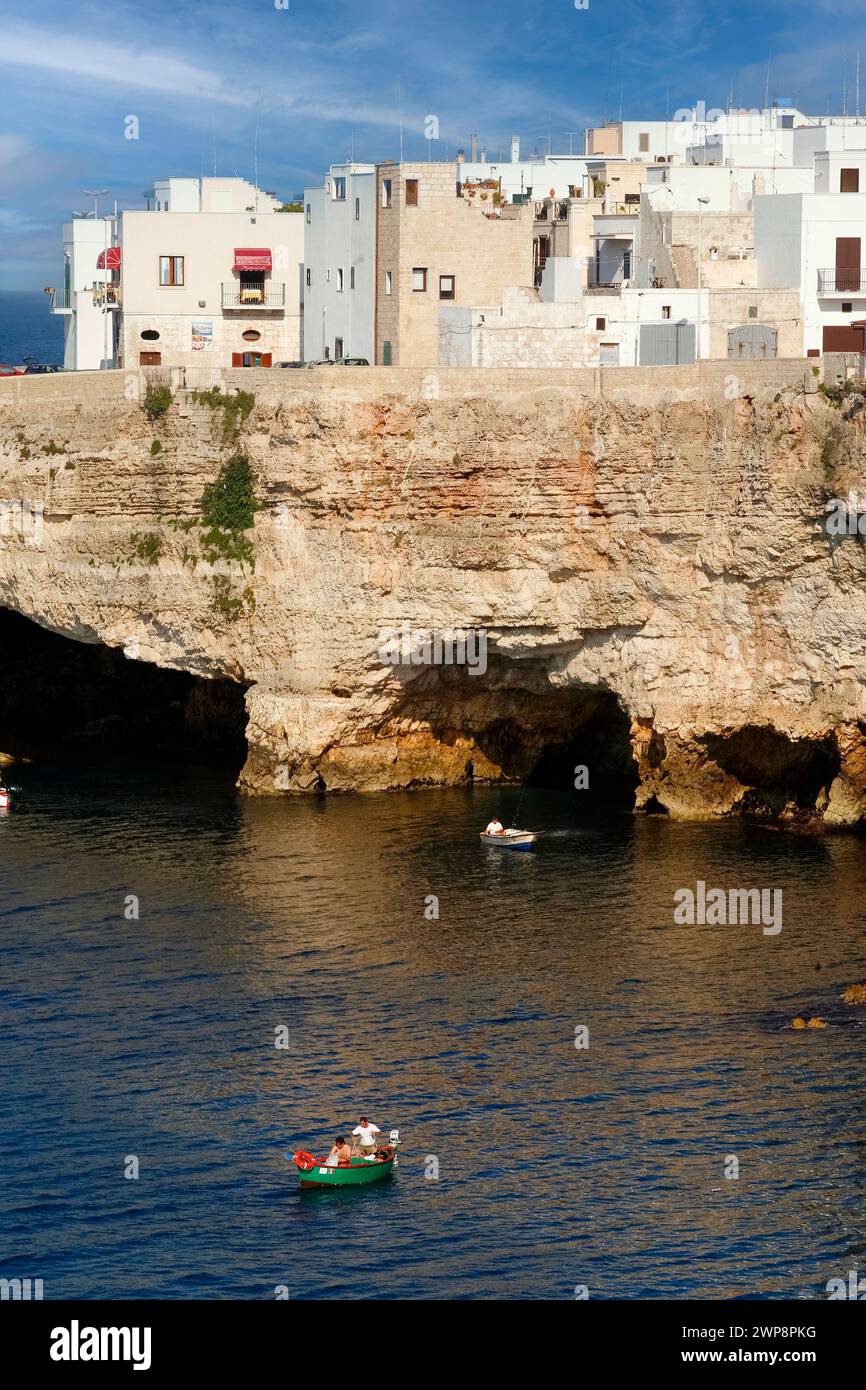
x=359, y=1175
x=520, y=839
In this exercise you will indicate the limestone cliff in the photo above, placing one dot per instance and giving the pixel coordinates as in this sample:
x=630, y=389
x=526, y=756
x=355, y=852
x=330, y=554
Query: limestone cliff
x=649, y=563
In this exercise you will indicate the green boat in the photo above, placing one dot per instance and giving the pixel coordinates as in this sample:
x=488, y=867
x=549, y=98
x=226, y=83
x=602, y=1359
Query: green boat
x=315, y=1172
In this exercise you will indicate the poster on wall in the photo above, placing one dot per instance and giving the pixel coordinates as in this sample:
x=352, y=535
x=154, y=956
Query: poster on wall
x=202, y=336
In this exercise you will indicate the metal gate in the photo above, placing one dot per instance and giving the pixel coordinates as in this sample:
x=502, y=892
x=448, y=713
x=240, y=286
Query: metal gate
x=752, y=340
x=667, y=344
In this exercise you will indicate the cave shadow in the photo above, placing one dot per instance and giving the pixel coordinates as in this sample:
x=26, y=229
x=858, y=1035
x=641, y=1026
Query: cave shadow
x=79, y=699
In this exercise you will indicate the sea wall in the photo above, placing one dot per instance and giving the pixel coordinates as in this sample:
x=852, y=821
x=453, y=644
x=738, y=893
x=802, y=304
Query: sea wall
x=648, y=542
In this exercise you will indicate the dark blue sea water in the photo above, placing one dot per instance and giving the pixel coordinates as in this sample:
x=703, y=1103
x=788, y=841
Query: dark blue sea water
x=28, y=329
x=557, y=1167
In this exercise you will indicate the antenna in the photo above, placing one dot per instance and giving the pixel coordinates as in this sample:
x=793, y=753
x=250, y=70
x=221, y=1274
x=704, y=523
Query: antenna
x=401, y=123
x=95, y=194
x=767, y=84
x=858, y=84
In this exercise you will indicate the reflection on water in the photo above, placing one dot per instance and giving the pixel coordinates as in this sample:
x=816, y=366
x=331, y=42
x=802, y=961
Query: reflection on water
x=558, y=1167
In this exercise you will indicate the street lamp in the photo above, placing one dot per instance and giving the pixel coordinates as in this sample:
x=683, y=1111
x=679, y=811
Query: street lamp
x=702, y=203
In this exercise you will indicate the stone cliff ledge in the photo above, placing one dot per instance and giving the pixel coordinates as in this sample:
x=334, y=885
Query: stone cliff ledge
x=649, y=563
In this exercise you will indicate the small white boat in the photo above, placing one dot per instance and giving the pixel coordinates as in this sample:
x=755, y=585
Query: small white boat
x=5, y=799
x=510, y=839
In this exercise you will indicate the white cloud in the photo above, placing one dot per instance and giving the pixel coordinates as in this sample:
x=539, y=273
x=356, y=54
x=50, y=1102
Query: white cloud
x=105, y=62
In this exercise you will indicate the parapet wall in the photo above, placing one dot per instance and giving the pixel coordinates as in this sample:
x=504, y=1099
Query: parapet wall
x=645, y=386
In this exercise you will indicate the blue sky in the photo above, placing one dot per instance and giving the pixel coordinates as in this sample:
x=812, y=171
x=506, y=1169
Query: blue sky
x=324, y=77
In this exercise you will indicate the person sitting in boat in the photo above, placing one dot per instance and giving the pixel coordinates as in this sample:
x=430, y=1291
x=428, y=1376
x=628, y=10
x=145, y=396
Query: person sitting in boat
x=494, y=828
x=340, y=1155
x=366, y=1132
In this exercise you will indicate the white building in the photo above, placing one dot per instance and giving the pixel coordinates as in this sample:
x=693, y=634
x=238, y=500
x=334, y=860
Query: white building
x=686, y=188
x=340, y=264
x=212, y=276
x=88, y=298
x=549, y=176
x=815, y=242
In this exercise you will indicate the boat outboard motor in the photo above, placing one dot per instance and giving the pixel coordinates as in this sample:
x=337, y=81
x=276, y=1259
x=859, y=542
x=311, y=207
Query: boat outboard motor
x=394, y=1138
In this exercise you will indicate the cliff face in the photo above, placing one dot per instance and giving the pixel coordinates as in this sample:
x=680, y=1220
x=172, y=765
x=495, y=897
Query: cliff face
x=650, y=569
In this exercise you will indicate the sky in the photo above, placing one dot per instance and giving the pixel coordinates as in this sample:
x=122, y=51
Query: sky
x=302, y=84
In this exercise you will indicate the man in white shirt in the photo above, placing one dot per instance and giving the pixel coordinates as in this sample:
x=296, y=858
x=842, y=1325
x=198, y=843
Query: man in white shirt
x=366, y=1135
x=494, y=828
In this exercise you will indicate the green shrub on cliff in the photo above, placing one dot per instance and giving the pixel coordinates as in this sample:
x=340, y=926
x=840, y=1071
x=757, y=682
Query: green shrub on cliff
x=228, y=504
x=148, y=547
x=236, y=409
x=157, y=400
x=155, y=448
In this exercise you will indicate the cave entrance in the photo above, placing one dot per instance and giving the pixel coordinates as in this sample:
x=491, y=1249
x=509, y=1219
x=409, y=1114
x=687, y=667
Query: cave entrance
x=59, y=693
x=777, y=771
x=530, y=731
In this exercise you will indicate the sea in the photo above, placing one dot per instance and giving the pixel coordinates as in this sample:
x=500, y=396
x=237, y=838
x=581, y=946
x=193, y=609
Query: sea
x=590, y=1096
x=29, y=329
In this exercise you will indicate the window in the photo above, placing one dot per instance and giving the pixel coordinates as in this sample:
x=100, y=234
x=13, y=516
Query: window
x=419, y=279
x=339, y=190
x=352, y=278
x=339, y=280
x=411, y=193
x=251, y=335
x=600, y=325
x=171, y=270
x=643, y=142
x=387, y=355
x=447, y=287
x=849, y=181
x=338, y=347
x=387, y=190
x=666, y=311
x=309, y=277
x=847, y=307
x=328, y=276
x=357, y=209
x=149, y=335
x=309, y=212
x=753, y=311
x=389, y=281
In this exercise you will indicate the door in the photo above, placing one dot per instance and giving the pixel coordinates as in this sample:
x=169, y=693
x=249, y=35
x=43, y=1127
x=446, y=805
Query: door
x=150, y=359
x=843, y=339
x=608, y=355
x=848, y=264
x=667, y=344
x=752, y=340
x=338, y=347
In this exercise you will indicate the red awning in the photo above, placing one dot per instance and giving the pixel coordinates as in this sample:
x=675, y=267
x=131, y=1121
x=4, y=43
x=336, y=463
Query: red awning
x=252, y=258
x=110, y=259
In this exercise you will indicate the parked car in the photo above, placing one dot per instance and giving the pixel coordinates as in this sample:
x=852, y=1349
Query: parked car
x=351, y=362
x=39, y=368
x=322, y=362
x=6, y=370
x=290, y=364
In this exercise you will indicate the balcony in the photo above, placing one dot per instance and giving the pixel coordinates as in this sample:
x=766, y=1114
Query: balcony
x=106, y=296
x=59, y=301
x=260, y=294
x=841, y=280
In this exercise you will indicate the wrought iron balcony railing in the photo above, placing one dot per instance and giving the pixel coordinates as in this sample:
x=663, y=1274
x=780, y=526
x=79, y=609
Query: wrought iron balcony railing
x=840, y=280
x=253, y=295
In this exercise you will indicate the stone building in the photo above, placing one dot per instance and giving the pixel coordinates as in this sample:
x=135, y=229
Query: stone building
x=436, y=247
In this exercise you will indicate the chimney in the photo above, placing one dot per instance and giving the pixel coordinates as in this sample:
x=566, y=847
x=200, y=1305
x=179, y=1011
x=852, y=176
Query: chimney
x=461, y=156
x=474, y=148
x=484, y=155
x=515, y=149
